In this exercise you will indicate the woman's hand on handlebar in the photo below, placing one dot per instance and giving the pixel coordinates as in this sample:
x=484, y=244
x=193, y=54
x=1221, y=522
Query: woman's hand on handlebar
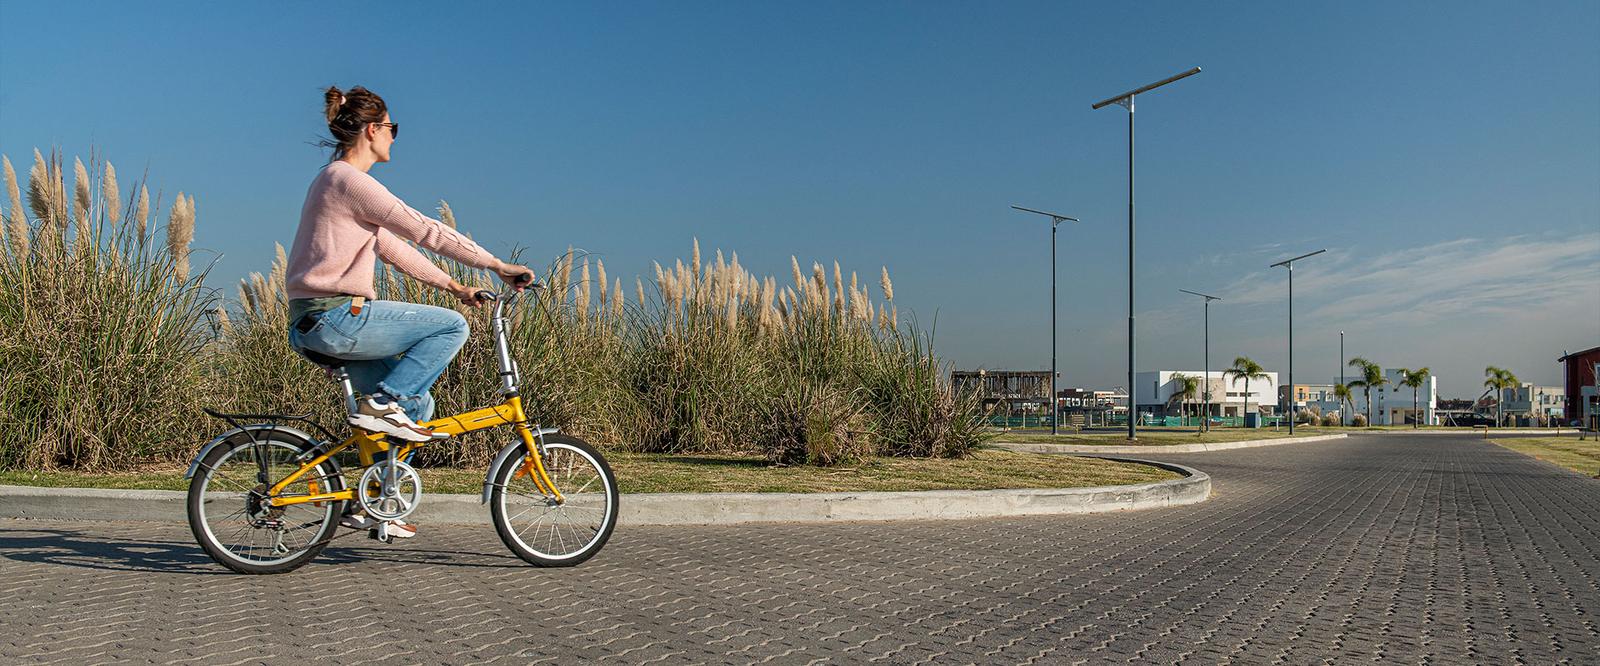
x=467, y=295
x=516, y=276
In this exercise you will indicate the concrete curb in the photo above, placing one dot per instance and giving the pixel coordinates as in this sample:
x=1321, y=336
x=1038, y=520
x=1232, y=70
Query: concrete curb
x=1553, y=432
x=1160, y=448
x=684, y=509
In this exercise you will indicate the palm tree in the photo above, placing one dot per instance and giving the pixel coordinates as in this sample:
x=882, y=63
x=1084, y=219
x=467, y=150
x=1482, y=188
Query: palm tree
x=1247, y=369
x=1188, y=388
x=1342, y=392
x=1414, y=379
x=1371, y=376
x=1499, y=379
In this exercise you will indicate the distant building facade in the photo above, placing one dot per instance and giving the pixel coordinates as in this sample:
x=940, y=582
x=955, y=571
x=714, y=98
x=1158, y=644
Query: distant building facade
x=1391, y=403
x=1317, y=397
x=1583, y=387
x=1228, y=396
x=1087, y=407
x=1027, y=390
x=1534, y=405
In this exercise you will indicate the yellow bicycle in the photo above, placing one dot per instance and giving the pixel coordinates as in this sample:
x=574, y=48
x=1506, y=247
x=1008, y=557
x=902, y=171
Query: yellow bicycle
x=267, y=497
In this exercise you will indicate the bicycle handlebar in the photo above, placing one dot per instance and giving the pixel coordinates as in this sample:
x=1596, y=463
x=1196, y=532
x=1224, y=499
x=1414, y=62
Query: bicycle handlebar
x=500, y=302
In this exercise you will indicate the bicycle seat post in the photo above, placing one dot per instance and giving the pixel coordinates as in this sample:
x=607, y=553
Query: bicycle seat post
x=338, y=374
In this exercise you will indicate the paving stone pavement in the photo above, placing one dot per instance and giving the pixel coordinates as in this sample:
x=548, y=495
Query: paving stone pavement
x=1386, y=549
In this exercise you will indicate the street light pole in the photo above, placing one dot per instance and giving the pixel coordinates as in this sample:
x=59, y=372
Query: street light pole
x=1341, y=375
x=1205, y=375
x=1125, y=100
x=1055, y=220
x=1289, y=264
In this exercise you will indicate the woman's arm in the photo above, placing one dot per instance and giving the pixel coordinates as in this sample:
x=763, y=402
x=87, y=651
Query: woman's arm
x=396, y=252
x=376, y=205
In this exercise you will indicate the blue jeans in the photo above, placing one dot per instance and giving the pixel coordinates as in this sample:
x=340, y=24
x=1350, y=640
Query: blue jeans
x=396, y=347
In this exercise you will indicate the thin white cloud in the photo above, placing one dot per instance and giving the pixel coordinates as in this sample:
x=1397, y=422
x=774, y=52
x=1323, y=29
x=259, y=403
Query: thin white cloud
x=1417, y=285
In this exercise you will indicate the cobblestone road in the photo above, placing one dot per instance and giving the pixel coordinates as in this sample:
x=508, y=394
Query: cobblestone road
x=1375, y=549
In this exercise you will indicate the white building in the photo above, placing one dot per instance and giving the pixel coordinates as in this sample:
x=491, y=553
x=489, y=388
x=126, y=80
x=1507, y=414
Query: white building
x=1227, y=394
x=1318, y=397
x=1391, y=403
x=1537, y=404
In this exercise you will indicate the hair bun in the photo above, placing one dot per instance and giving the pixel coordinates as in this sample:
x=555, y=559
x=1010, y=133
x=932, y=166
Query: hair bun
x=333, y=99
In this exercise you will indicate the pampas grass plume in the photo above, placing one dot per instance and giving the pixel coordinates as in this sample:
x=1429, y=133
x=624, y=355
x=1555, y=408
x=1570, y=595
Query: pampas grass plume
x=583, y=292
x=799, y=282
x=80, y=192
x=17, y=221
x=446, y=215
x=141, y=210
x=111, y=194
x=695, y=260
x=180, y=232
x=41, y=195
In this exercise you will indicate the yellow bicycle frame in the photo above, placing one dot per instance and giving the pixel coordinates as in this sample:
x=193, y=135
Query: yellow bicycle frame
x=369, y=445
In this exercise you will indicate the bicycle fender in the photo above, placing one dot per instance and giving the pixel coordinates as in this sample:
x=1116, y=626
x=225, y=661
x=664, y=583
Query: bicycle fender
x=194, y=465
x=500, y=458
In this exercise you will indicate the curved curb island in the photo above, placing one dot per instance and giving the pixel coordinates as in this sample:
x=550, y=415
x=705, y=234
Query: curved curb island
x=1022, y=447
x=685, y=508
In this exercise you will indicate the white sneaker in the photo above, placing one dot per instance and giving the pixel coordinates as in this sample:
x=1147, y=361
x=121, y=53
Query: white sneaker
x=357, y=520
x=389, y=419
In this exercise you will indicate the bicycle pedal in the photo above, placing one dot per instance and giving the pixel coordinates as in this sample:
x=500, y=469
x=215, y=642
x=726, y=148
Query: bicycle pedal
x=380, y=534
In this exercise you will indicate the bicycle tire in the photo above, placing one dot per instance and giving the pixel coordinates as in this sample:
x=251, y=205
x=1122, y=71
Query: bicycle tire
x=571, y=462
x=212, y=471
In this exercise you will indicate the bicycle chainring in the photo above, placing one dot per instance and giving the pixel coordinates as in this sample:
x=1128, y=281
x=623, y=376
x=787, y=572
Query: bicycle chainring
x=408, y=491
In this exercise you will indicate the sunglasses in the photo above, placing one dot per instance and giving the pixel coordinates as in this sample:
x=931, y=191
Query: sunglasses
x=394, y=129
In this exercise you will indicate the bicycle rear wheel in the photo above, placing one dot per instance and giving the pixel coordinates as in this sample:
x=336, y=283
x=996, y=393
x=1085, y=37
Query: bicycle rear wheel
x=231, y=520
x=548, y=532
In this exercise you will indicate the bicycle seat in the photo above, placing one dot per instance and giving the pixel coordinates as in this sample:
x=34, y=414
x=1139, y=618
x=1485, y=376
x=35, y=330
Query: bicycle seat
x=327, y=362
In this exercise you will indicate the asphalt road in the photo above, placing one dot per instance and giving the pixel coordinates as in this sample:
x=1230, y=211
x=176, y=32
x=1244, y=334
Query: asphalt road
x=1379, y=548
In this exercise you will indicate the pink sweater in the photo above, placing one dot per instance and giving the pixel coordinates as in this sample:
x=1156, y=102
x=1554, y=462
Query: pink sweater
x=349, y=220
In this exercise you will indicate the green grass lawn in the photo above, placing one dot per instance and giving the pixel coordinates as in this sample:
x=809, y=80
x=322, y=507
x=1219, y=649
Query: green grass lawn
x=1582, y=456
x=658, y=473
x=1162, y=436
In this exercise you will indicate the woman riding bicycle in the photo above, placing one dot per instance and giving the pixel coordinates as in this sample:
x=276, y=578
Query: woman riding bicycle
x=395, y=350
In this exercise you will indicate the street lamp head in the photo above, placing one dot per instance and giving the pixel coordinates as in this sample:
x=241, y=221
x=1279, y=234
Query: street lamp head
x=1056, y=217
x=1287, y=262
x=1128, y=96
x=1208, y=297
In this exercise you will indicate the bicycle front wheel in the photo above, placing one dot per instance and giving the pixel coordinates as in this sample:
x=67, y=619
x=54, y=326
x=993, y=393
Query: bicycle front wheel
x=550, y=532
x=231, y=519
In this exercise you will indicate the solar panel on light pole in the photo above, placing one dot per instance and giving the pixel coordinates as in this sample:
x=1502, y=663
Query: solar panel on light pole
x=1205, y=391
x=1289, y=264
x=1126, y=101
x=1055, y=219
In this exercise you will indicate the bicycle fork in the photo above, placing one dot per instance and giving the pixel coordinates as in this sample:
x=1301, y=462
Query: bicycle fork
x=533, y=462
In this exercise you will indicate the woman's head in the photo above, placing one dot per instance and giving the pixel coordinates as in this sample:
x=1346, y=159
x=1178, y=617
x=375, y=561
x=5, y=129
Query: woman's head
x=359, y=122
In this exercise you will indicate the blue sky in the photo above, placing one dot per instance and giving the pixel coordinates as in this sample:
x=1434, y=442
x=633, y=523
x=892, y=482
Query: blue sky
x=1447, y=155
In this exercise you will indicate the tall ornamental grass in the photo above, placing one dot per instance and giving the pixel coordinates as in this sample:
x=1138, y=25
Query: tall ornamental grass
x=117, y=347
x=105, y=327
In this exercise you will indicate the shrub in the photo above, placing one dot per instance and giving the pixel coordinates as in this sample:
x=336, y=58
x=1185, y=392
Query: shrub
x=1359, y=420
x=1330, y=419
x=105, y=327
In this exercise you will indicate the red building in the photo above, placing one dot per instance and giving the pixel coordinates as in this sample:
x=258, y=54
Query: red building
x=1581, y=376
